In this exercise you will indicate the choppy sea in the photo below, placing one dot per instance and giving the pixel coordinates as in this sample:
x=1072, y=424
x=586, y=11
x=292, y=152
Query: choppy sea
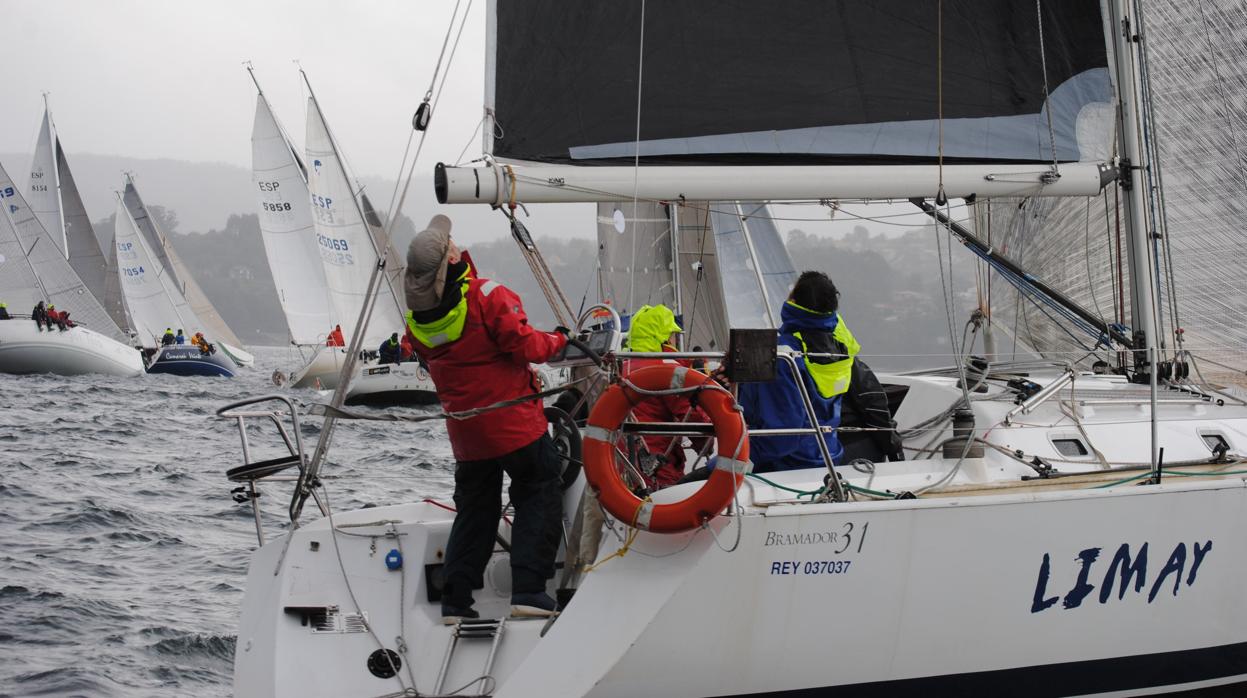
x=122, y=554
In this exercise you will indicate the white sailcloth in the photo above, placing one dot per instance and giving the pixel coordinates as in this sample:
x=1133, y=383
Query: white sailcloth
x=286, y=228
x=155, y=303
x=211, y=322
x=54, y=197
x=58, y=281
x=346, y=247
x=43, y=192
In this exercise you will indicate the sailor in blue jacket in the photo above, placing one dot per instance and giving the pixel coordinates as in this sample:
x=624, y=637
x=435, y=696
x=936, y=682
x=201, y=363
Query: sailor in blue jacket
x=810, y=325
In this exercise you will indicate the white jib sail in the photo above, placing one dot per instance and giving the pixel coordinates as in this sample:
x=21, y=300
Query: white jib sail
x=178, y=276
x=286, y=228
x=346, y=249
x=155, y=303
x=59, y=283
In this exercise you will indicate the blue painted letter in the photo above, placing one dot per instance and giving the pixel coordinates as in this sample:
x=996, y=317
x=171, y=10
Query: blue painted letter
x=1176, y=562
x=1081, y=588
x=1199, y=557
x=1041, y=585
x=1137, y=569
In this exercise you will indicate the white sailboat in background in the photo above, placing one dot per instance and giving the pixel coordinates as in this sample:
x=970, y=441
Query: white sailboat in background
x=180, y=277
x=279, y=176
x=350, y=249
x=33, y=269
x=54, y=197
x=156, y=304
x=1037, y=543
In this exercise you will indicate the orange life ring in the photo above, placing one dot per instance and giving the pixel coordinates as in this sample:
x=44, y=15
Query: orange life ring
x=704, y=504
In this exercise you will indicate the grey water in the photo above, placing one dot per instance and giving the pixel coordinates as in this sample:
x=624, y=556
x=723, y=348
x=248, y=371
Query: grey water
x=123, y=556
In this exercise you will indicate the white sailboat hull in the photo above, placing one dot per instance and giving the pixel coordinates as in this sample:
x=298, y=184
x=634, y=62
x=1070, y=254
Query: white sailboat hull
x=321, y=371
x=26, y=349
x=1006, y=584
x=241, y=358
x=901, y=597
x=392, y=384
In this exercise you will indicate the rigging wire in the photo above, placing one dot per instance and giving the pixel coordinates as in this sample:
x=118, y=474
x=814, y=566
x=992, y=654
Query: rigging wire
x=636, y=154
x=1047, y=106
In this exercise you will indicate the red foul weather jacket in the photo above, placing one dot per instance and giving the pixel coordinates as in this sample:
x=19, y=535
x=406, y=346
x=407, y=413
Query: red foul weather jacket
x=665, y=408
x=489, y=363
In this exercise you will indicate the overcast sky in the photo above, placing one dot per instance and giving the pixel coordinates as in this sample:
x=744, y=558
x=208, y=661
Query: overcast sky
x=154, y=78
x=165, y=79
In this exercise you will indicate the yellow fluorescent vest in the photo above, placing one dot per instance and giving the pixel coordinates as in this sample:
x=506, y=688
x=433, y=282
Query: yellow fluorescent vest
x=832, y=379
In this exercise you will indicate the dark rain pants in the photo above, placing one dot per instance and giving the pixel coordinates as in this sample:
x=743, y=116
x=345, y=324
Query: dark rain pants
x=538, y=499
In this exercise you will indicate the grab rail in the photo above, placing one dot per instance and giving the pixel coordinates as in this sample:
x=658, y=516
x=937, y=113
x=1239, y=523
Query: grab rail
x=251, y=472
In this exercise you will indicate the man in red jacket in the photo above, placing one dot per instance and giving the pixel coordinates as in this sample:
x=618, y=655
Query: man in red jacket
x=474, y=337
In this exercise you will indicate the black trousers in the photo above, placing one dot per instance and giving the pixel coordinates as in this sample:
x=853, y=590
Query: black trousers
x=538, y=498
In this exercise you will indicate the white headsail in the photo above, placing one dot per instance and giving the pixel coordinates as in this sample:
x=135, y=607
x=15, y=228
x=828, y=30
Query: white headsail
x=179, y=276
x=290, y=243
x=346, y=246
x=60, y=283
x=154, y=300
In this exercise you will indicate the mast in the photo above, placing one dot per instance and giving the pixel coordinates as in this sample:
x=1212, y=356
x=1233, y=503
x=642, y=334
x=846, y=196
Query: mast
x=1127, y=55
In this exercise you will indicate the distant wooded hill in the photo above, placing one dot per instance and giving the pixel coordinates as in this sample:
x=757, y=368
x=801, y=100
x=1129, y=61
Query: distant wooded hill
x=205, y=195
x=890, y=287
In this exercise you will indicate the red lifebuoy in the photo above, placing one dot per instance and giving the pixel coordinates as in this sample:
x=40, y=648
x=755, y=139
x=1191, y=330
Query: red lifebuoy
x=704, y=504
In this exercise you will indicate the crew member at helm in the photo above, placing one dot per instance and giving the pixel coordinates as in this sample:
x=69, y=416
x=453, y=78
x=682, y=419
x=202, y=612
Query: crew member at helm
x=474, y=337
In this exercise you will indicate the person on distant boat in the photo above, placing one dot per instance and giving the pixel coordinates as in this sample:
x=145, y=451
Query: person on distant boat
x=390, y=350
x=180, y=338
x=168, y=338
x=63, y=320
x=660, y=458
x=405, y=350
x=199, y=341
x=40, y=316
x=4, y=311
x=810, y=324
x=335, y=337
x=56, y=316
x=478, y=346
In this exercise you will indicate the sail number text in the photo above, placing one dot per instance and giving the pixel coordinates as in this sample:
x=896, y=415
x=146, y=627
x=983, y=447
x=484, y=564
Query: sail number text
x=335, y=250
x=132, y=271
x=275, y=208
